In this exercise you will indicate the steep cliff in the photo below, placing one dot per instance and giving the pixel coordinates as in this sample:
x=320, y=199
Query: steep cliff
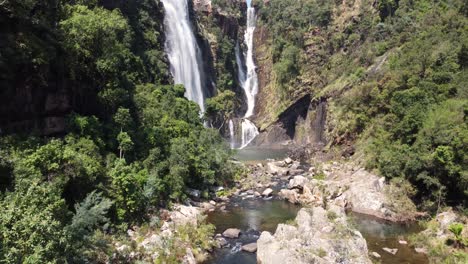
x=39, y=86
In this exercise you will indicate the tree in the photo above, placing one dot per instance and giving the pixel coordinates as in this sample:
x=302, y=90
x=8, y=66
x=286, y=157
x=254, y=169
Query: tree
x=127, y=183
x=125, y=143
x=89, y=215
x=31, y=224
x=123, y=118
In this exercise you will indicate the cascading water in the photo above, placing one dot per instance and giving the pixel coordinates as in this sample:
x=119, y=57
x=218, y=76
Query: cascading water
x=183, y=51
x=251, y=83
x=232, y=135
x=248, y=81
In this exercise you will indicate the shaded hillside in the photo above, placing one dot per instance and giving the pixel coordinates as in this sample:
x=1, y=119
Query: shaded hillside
x=47, y=71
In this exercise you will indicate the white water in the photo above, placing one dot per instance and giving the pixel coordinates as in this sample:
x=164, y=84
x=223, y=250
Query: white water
x=232, y=134
x=250, y=85
x=249, y=132
x=240, y=69
x=183, y=51
x=249, y=80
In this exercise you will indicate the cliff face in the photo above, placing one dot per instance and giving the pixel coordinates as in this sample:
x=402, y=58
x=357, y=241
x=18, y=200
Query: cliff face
x=34, y=92
x=312, y=121
x=220, y=27
x=37, y=89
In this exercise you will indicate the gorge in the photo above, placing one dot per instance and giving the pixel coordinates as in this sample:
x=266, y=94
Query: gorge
x=233, y=131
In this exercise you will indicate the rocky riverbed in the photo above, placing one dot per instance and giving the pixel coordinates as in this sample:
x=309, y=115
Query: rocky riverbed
x=328, y=190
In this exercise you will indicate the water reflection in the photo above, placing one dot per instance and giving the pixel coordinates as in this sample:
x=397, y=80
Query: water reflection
x=379, y=234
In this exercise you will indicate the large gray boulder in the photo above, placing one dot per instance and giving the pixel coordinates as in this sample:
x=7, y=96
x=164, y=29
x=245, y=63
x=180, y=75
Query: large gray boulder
x=252, y=247
x=317, y=238
x=297, y=182
x=290, y=195
x=231, y=233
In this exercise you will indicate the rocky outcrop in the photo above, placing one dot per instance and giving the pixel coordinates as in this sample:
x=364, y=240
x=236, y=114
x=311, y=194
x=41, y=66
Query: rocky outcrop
x=202, y=5
x=320, y=236
x=303, y=122
x=350, y=187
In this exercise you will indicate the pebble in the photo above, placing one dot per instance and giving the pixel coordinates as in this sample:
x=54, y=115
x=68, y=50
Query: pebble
x=392, y=251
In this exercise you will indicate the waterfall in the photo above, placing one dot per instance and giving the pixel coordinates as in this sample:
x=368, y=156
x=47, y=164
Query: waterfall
x=249, y=132
x=232, y=135
x=240, y=66
x=183, y=51
x=251, y=83
x=249, y=80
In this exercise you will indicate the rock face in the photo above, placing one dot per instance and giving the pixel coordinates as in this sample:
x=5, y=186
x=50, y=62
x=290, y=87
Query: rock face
x=346, y=186
x=309, y=241
x=202, y=5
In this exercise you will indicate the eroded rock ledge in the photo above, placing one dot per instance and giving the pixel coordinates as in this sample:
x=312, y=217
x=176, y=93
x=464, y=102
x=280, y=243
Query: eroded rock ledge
x=317, y=236
x=350, y=187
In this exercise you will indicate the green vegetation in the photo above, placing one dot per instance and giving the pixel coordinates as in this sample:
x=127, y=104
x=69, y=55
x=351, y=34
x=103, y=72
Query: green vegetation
x=448, y=248
x=457, y=229
x=289, y=22
x=188, y=236
x=134, y=145
x=396, y=75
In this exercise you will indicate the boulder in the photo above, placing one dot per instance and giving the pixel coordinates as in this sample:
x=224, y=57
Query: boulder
x=376, y=255
x=445, y=219
x=275, y=169
x=290, y=195
x=267, y=192
x=232, y=233
x=185, y=214
x=297, y=182
x=252, y=247
x=293, y=172
x=295, y=165
x=288, y=161
x=216, y=189
x=403, y=242
x=221, y=241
